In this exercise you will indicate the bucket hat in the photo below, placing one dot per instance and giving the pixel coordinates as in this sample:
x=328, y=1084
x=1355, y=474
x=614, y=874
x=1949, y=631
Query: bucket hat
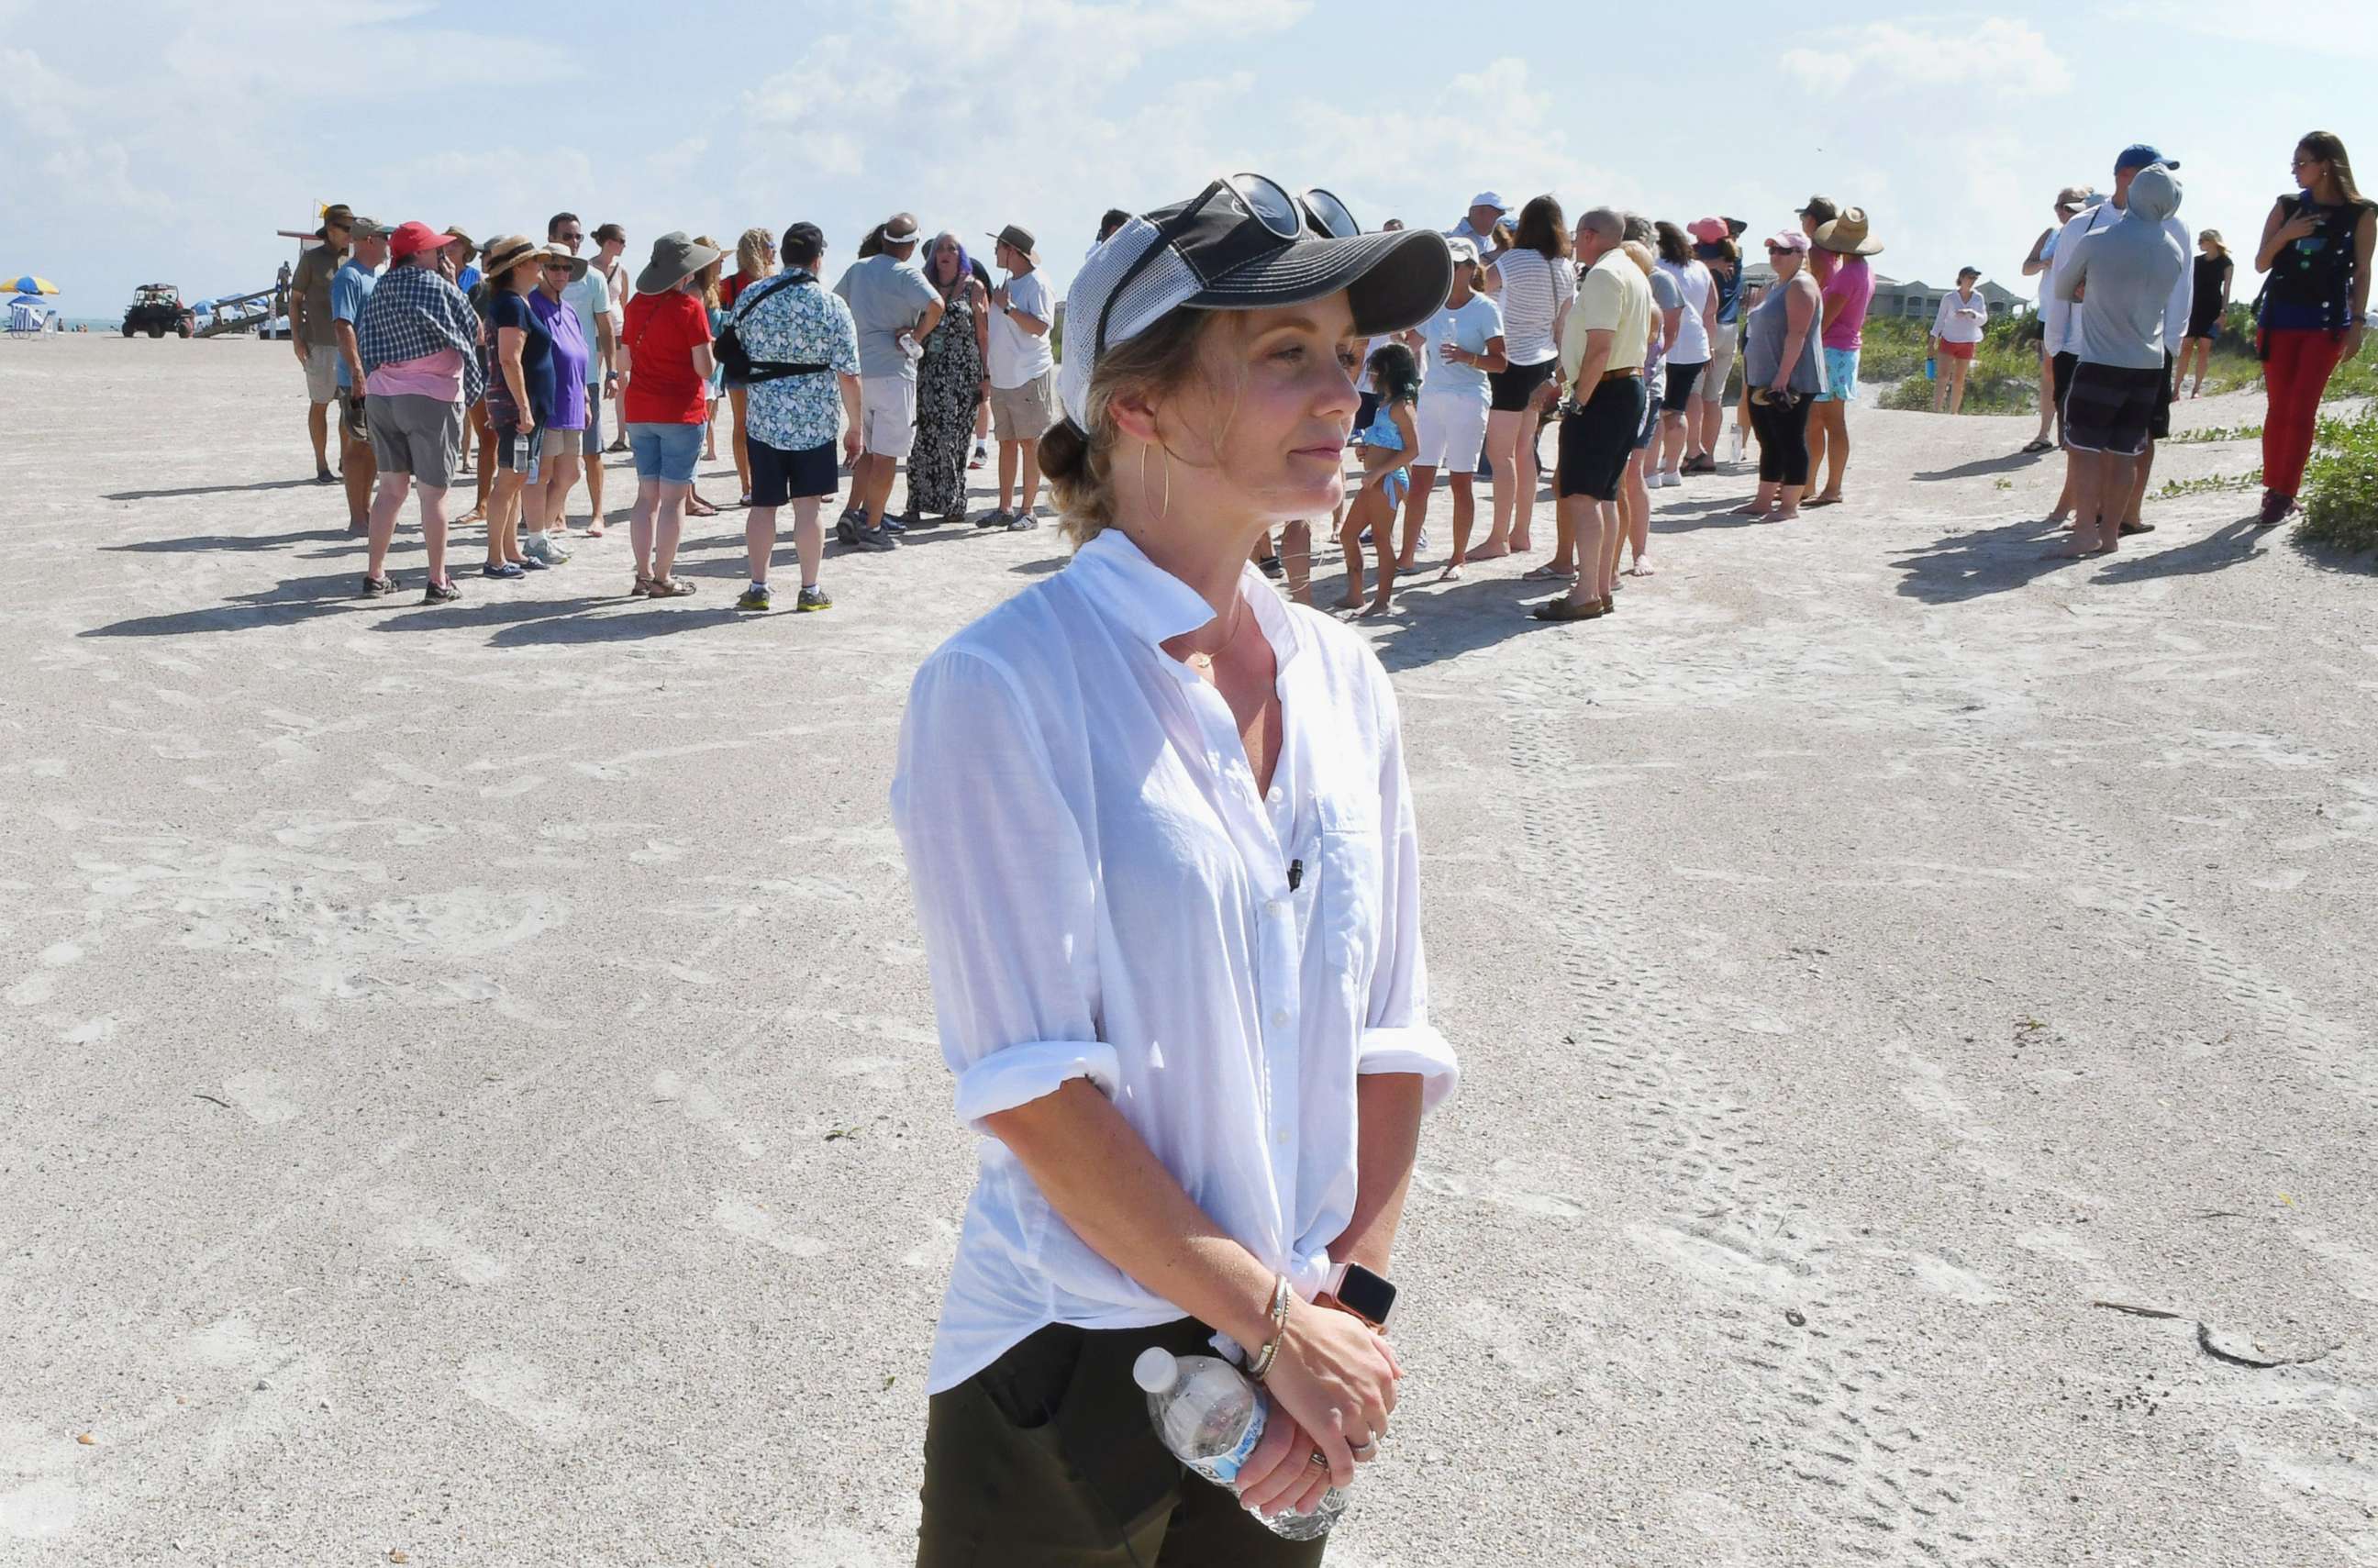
x=675, y=259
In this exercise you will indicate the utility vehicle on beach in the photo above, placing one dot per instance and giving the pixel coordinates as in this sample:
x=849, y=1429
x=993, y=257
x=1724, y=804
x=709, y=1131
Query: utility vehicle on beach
x=156, y=309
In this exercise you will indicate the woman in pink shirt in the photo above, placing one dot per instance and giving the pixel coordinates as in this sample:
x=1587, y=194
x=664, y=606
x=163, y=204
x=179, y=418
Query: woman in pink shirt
x=1848, y=291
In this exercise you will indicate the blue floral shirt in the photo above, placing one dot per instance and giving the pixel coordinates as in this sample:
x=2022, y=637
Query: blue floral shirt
x=799, y=324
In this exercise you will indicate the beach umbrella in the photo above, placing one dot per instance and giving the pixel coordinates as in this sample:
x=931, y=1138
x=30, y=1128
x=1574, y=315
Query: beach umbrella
x=31, y=285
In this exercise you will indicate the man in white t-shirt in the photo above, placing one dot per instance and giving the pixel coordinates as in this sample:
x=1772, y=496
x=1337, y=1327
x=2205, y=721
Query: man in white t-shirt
x=2063, y=320
x=1023, y=375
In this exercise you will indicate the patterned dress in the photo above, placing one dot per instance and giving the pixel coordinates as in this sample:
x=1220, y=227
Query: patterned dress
x=949, y=386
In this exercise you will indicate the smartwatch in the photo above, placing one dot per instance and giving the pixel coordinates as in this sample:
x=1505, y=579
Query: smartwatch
x=1353, y=1288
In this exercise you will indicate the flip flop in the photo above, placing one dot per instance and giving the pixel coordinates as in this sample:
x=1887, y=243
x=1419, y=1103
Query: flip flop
x=1547, y=574
x=2039, y=446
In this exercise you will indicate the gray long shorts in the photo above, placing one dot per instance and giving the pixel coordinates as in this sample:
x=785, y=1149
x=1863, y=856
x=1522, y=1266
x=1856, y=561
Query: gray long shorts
x=416, y=435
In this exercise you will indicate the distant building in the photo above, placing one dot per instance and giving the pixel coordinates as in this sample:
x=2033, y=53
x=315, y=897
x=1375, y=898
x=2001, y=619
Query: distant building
x=1912, y=301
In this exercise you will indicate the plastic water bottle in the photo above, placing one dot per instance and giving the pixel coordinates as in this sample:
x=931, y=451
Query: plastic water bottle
x=1740, y=440
x=1211, y=1418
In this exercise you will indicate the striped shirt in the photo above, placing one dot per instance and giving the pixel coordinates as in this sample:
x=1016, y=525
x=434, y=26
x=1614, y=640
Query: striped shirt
x=1535, y=287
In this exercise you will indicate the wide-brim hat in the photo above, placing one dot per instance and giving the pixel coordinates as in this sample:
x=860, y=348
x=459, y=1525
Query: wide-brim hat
x=505, y=252
x=1212, y=253
x=1825, y=207
x=1016, y=237
x=339, y=214
x=464, y=245
x=675, y=259
x=556, y=251
x=1847, y=235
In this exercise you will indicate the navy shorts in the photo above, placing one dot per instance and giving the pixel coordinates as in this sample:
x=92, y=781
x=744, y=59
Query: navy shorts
x=778, y=477
x=1682, y=379
x=2111, y=408
x=1595, y=439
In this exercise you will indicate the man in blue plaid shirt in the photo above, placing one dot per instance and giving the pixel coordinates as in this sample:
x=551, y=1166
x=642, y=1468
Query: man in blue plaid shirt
x=419, y=341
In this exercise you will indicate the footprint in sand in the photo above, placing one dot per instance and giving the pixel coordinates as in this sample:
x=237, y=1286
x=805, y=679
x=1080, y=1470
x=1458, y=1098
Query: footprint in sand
x=33, y=991
x=1959, y=1284
x=749, y=1220
x=262, y=1095
x=518, y=1389
x=58, y=955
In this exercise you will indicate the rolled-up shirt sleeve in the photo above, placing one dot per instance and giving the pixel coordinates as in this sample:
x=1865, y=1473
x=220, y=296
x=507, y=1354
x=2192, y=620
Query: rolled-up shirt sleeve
x=1005, y=890
x=1397, y=1035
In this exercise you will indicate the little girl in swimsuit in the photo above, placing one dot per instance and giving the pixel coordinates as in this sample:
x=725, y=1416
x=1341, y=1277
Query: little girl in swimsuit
x=1387, y=448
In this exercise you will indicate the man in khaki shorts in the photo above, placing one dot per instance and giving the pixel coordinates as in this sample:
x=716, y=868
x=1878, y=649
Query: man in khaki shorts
x=313, y=332
x=1023, y=375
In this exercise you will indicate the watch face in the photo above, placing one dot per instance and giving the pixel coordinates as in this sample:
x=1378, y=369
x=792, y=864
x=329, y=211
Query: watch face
x=1366, y=1295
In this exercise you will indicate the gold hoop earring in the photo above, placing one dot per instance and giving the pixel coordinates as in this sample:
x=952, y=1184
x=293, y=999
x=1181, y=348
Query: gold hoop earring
x=1165, y=511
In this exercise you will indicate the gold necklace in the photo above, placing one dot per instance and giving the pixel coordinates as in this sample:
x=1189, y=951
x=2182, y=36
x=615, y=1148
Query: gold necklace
x=1204, y=662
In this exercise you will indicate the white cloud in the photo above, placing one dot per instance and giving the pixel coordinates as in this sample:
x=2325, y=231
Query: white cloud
x=1998, y=54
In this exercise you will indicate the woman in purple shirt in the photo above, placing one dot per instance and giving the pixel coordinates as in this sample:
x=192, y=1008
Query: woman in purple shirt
x=542, y=504
x=1848, y=291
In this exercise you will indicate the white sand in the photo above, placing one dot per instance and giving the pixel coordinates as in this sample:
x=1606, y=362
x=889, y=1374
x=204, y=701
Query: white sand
x=471, y=1090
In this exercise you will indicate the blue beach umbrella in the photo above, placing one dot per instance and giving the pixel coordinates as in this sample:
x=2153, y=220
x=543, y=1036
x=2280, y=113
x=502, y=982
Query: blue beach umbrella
x=28, y=283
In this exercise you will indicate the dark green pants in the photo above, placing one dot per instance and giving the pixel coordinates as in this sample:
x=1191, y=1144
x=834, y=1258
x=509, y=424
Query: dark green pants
x=1046, y=1459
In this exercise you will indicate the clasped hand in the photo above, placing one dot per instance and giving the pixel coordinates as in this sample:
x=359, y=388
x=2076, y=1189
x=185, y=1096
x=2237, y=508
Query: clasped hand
x=1332, y=1387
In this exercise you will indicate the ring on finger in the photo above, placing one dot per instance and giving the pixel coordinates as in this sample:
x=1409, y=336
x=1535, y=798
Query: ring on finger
x=1363, y=1450
x=1317, y=1457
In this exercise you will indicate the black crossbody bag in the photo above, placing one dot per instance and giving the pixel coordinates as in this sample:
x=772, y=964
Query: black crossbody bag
x=736, y=366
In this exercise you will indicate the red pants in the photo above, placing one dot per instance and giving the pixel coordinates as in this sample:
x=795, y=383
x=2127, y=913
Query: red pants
x=2295, y=374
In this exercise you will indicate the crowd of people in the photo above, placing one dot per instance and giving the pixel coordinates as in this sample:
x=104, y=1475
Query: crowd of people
x=1628, y=336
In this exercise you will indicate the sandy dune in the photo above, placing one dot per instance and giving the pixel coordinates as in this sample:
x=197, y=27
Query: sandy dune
x=472, y=1094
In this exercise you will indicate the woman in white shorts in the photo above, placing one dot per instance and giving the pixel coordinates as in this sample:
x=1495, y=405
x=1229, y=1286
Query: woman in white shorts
x=1460, y=347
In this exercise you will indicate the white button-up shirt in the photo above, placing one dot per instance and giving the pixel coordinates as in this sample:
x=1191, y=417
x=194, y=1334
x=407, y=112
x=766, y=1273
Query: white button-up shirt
x=1106, y=893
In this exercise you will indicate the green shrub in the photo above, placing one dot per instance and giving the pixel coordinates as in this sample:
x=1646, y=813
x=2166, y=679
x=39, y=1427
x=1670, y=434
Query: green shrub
x=2340, y=498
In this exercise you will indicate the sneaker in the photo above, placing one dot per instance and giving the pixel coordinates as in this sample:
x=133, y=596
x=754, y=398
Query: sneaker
x=898, y=525
x=999, y=519
x=813, y=598
x=2276, y=508
x=530, y=563
x=324, y=477
x=875, y=539
x=540, y=548
x=378, y=588
x=755, y=597
x=979, y=458
x=846, y=528
x=1024, y=521
x=440, y=592
x=1422, y=543
x=502, y=570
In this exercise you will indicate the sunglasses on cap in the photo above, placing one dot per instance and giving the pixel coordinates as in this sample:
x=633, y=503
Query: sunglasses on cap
x=1317, y=213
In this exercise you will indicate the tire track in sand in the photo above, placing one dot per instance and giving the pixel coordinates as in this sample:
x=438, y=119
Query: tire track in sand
x=1830, y=1403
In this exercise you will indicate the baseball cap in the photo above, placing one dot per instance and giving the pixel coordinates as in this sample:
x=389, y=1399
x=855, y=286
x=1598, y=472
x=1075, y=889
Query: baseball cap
x=2138, y=155
x=2076, y=196
x=1709, y=230
x=1488, y=198
x=1790, y=239
x=412, y=238
x=1212, y=252
x=1821, y=208
x=899, y=230
x=368, y=228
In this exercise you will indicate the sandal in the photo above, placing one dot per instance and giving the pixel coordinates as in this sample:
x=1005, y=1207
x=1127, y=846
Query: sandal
x=667, y=588
x=642, y=590
x=2031, y=446
x=1561, y=610
x=1547, y=574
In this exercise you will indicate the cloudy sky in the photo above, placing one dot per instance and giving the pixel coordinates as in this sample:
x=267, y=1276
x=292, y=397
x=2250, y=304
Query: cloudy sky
x=169, y=142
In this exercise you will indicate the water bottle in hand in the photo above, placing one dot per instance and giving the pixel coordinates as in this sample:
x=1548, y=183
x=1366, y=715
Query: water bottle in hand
x=1211, y=1418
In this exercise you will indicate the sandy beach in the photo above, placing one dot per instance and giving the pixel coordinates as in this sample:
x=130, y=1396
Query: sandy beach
x=473, y=1096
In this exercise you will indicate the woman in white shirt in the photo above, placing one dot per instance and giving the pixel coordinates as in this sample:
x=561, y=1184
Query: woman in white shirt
x=1689, y=355
x=1161, y=841
x=1538, y=283
x=1956, y=331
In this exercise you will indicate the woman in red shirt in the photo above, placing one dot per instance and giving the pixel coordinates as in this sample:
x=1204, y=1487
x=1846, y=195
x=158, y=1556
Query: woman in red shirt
x=665, y=362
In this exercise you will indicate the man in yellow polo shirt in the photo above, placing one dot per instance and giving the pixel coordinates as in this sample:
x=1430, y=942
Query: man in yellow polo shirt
x=1602, y=347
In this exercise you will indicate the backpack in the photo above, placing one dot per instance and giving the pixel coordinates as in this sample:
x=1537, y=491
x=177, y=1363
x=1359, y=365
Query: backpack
x=736, y=366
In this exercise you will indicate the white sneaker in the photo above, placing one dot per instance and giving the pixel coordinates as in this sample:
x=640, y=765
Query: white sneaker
x=1670, y=476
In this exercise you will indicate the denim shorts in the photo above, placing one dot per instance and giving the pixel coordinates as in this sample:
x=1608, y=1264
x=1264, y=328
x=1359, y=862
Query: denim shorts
x=666, y=453
x=1841, y=375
